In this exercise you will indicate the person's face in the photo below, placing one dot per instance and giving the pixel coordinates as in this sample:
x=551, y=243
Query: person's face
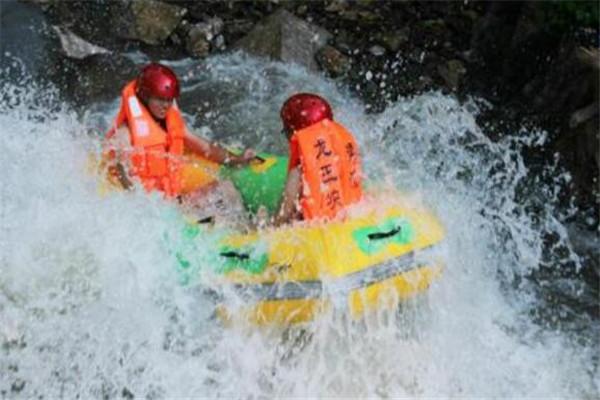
x=158, y=106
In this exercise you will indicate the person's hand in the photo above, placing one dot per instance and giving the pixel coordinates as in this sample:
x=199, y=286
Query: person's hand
x=249, y=155
x=246, y=157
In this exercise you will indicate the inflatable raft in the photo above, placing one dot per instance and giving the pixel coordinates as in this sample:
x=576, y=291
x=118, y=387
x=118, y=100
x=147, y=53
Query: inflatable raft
x=375, y=257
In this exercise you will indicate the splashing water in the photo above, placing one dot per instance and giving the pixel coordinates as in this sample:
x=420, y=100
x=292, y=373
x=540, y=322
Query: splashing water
x=90, y=304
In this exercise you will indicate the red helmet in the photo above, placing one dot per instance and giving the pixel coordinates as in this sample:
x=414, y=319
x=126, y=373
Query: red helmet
x=304, y=109
x=156, y=80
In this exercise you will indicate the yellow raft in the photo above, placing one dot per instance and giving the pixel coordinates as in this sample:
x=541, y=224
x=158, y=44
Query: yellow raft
x=371, y=260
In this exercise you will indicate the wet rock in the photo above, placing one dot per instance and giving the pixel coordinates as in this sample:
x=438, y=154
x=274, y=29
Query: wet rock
x=197, y=45
x=175, y=39
x=94, y=21
x=369, y=16
x=570, y=83
x=492, y=34
x=203, y=36
x=284, y=37
x=197, y=10
x=333, y=61
x=583, y=114
x=574, y=86
x=341, y=41
x=350, y=15
x=202, y=28
x=152, y=21
x=302, y=9
x=589, y=57
x=435, y=27
x=75, y=47
x=210, y=28
x=470, y=15
x=422, y=84
x=586, y=244
x=417, y=55
x=219, y=42
x=586, y=153
x=239, y=26
x=23, y=37
x=215, y=25
x=184, y=27
x=377, y=50
x=529, y=45
x=127, y=394
x=99, y=77
x=541, y=68
x=393, y=41
x=17, y=386
x=452, y=73
x=336, y=6
x=44, y=4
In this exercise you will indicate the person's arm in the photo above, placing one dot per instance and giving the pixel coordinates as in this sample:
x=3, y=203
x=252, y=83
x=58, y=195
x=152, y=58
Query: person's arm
x=119, y=171
x=288, y=210
x=216, y=153
x=113, y=156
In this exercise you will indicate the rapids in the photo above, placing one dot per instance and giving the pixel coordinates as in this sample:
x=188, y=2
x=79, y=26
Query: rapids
x=91, y=306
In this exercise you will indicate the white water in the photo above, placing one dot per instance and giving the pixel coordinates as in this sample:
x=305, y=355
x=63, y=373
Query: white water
x=89, y=300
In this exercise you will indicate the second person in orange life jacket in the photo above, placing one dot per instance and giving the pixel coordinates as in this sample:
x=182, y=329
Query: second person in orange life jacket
x=149, y=141
x=324, y=171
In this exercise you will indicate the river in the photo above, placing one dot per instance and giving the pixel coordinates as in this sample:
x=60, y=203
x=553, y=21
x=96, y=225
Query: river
x=90, y=303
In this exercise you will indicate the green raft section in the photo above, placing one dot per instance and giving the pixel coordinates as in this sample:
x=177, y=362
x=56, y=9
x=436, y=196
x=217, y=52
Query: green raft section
x=261, y=183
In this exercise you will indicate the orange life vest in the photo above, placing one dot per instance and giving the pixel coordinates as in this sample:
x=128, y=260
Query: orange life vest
x=157, y=156
x=330, y=163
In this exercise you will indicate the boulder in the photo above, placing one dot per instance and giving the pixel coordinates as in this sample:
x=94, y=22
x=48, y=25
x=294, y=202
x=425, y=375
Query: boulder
x=216, y=25
x=98, y=77
x=219, y=42
x=333, y=61
x=493, y=33
x=210, y=28
x=377, y=50
x=434, y=27
x=204, y=35
x=151, y=21
x=284, y=37
x=336, y=6
x=41, y=3
x=197, y=45
x=573, y=85
x=99, y=22
x=75, y=47
x=342, y=42
x=590, y=59
x=452, y=73
x=394, y=40
x=586, y=244
x=24, y=36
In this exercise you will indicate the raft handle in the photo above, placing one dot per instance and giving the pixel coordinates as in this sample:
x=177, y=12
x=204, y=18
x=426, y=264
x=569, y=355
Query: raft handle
x=384, y=235
x=233, y=254
x=207, y=220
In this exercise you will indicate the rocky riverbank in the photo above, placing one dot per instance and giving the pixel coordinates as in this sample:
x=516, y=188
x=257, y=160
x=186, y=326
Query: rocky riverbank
x=535, y=63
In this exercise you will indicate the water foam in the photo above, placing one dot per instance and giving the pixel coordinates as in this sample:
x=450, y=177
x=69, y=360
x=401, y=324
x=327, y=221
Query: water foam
x=91, y=306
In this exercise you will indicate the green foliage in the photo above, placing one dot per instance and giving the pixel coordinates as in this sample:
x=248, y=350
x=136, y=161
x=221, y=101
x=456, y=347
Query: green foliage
x=567, y=15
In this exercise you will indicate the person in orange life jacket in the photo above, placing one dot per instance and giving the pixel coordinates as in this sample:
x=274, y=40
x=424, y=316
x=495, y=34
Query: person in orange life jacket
x=324, y=172
x=151, y=137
